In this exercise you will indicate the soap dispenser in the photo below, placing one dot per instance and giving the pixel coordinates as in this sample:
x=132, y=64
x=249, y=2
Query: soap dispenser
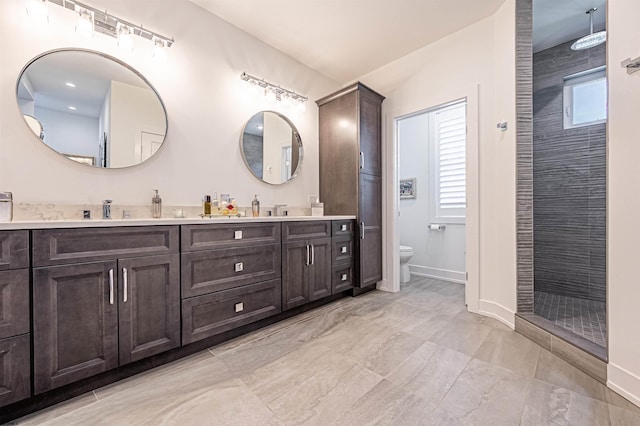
x=156, y=203
x=255, y=206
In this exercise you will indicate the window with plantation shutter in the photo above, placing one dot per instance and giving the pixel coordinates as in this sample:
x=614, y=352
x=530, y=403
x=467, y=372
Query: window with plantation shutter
x=448, y=163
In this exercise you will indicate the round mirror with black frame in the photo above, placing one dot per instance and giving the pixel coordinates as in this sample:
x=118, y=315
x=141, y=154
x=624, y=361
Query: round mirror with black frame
x=91, y=108
x=271, y=147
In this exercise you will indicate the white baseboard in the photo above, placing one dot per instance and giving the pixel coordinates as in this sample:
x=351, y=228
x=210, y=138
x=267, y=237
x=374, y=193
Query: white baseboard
x=497, y=311
x=441, y=274
x=624, y=382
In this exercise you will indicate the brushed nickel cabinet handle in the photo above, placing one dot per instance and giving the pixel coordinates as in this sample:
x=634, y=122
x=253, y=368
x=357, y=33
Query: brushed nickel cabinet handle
x=111, y=286
x=308, y=255
x=362, y=230
x=124, y=278
x=313, y=254
x=361, y=160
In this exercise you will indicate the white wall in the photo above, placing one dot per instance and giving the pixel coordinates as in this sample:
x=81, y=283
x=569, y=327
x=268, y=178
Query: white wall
x=481, y=55
x=206, y=101
x=623, y=203
x=69, y=133
x=438, y=254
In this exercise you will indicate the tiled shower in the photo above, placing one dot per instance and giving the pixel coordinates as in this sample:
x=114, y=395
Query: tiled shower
x=569, y=200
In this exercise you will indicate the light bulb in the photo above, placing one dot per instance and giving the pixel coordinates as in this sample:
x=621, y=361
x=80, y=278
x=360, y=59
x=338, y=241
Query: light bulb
x=125, y=38
x=38, y=10
x=160, y=50
x=286, y=100
x=270, y=94
x=84, y=26
x=301, y=105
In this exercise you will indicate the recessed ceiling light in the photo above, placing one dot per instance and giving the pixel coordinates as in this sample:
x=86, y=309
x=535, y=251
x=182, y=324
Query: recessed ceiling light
x=70, y=84
x=71, y=107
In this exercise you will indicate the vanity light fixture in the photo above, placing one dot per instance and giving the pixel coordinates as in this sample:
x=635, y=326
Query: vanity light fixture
x=276, y=93
x=160, y=49
x=92, y=20
x=84, y=26
x=38, y=9
x=125, y=38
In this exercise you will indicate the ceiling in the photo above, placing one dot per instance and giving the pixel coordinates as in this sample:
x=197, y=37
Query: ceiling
x=346, y=39
x=559, y=21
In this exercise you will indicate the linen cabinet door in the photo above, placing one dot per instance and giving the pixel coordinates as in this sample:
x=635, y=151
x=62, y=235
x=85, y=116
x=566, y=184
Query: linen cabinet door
x=320, y=269
x=75, y=323
x=369, y=242
x=148, y=306
x=295, y=282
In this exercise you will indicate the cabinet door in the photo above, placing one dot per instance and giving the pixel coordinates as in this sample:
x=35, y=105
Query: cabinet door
x=370, y=140
x=295, y=283
x=320, y=269
x=75, y=323
x=149, y=306
x=14, y=249
x=15, y=379
x=369, y=264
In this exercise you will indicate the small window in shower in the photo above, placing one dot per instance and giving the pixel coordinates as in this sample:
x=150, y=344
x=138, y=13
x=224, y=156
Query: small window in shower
x=585, y=98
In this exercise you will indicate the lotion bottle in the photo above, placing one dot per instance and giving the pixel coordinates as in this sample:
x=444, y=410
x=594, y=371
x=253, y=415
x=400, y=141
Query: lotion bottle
x=156, y=203
x=255, y=206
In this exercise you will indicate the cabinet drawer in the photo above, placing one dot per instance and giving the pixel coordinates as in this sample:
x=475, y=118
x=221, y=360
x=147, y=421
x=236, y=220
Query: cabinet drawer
x=342, y=228
x=14, y=250
x=342, y=278
x=62, y=246
x=211, y=314
x=215, y=236
x=341, y=250
x=14, y=303
x=15, y=376
x=292, y=231
x=215, y=270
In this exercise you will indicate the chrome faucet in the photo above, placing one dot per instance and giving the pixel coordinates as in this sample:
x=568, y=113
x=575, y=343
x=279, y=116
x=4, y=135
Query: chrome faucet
x=106, y=209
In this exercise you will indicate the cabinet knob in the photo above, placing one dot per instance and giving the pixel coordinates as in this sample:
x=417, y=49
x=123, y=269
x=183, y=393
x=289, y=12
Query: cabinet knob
x=343, y=227
x=237, y=235
x=239, y=307
x=239, y=267
x=343, y=249
x=343, y=277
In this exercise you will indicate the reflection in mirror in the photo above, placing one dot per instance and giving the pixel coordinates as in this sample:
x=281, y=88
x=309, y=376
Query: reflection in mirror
x=91, y=108
x=271, y=147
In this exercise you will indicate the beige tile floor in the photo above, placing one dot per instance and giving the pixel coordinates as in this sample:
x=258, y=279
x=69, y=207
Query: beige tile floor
x=414, y=358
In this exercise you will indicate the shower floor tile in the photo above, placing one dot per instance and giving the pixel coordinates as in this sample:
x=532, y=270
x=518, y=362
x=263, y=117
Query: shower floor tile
x=583, y=317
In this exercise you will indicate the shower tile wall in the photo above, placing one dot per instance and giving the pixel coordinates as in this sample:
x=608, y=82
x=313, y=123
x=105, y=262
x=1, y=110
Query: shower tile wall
x=569, y=183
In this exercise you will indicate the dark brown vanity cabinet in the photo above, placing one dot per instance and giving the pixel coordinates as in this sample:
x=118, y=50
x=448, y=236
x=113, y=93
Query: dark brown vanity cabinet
x=306, y=262
x=230, y=276
x=93, y=315
x=351, y=171
x=15, y=340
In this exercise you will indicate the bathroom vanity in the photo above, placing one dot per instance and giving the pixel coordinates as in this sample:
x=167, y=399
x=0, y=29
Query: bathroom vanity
x=90, y=298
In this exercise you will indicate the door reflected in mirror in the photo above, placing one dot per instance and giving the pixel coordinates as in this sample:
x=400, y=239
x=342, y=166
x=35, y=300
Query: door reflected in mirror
x=91, y=108
x=271, y=147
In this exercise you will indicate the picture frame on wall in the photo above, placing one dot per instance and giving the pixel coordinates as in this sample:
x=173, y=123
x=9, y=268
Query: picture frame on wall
x=407, y=188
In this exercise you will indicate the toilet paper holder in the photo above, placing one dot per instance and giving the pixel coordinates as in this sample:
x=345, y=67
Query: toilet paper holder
x=436, y=227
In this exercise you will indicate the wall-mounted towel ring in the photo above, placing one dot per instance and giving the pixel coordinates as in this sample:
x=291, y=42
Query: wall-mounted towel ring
x=502, y=126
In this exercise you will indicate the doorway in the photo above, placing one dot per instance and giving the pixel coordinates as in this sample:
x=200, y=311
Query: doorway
x=432, y=171
x=465, y=99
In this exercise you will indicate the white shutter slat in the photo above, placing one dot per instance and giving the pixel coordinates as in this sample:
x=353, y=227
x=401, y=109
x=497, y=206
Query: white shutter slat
x=451, y=160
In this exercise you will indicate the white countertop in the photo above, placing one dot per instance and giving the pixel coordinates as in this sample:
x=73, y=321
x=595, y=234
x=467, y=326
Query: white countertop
x=95, y=223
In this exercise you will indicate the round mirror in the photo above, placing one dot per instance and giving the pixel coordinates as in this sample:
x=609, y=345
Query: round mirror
x=271, y=147
x=92, y=108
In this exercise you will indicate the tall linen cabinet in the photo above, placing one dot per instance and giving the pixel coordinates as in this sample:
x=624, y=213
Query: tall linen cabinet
x=351, y=170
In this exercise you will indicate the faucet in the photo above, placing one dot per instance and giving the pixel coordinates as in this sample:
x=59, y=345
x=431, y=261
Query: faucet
x=106, y=209
x=280, y=209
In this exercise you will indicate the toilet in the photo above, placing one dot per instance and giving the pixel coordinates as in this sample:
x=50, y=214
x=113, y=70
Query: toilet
x=406, y=253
